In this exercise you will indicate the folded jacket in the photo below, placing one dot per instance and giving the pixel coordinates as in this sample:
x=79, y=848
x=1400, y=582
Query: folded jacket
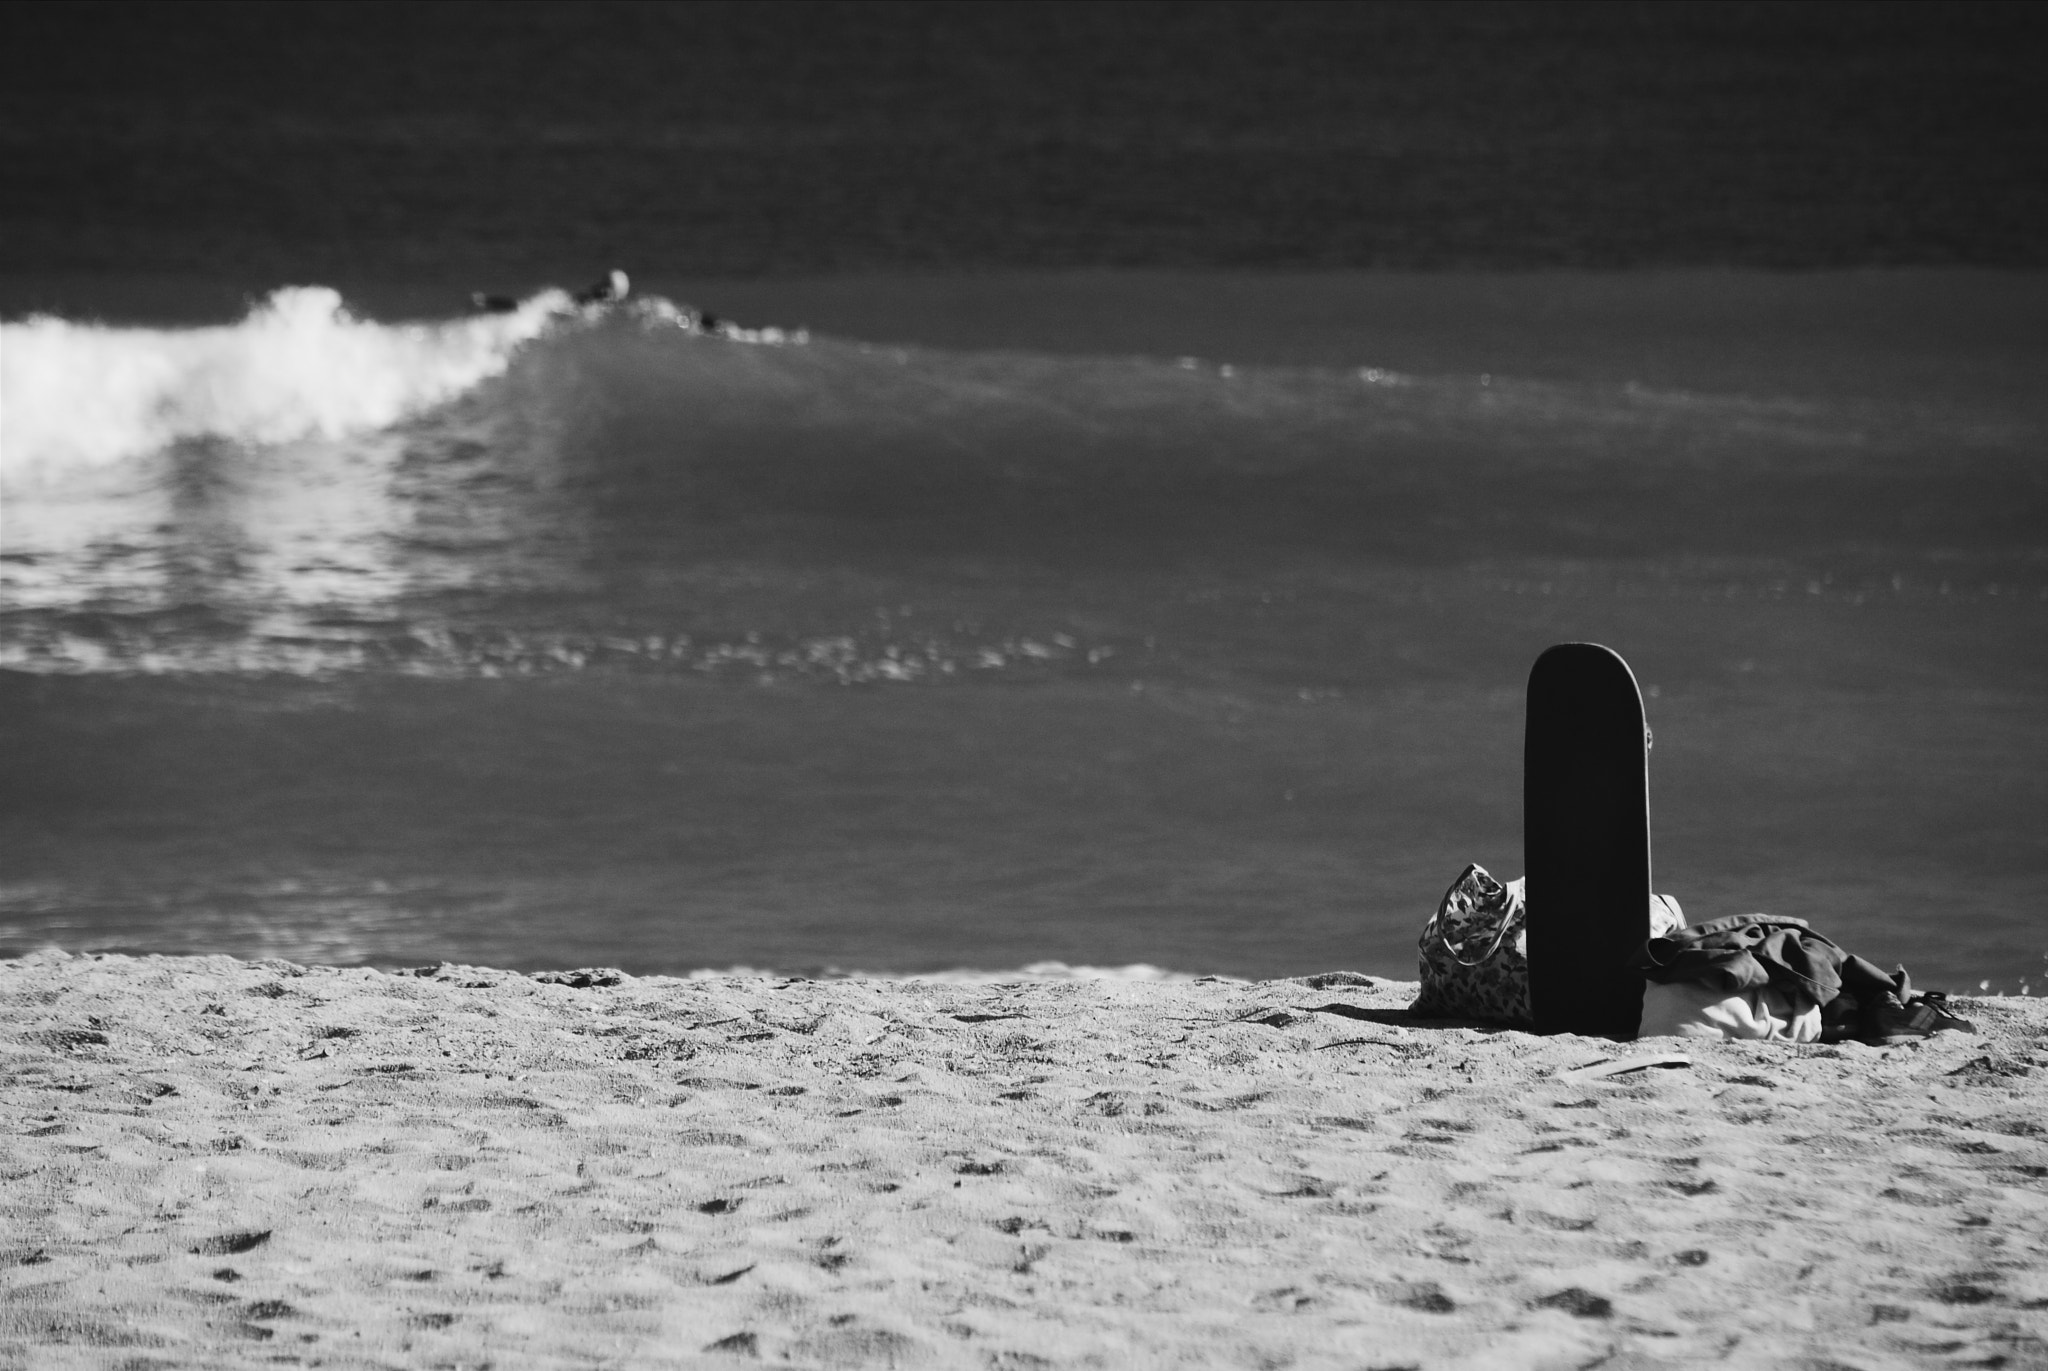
x=1756, y=951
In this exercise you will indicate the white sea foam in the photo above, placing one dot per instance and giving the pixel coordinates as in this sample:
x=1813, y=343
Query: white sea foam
x=81, y=395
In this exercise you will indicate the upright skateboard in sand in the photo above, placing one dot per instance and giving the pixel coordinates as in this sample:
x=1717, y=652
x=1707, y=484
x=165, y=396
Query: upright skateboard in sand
x=1585, y=841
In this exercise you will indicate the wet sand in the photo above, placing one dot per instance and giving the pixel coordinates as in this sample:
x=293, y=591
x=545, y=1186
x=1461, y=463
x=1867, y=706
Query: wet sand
x=221, y=1163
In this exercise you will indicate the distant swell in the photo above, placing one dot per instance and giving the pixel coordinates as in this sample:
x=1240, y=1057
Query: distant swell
x=82, y=395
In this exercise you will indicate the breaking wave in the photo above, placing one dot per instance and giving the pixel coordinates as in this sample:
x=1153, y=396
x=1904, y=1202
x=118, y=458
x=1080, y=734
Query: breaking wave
x=298, y=366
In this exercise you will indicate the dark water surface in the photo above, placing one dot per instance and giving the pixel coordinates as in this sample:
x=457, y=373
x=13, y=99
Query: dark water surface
x=1138, y=560
x=351, y=144
x=559, y=638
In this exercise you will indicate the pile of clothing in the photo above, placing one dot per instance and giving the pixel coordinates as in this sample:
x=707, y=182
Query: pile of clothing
x=1756, y=976
x=1750, y=976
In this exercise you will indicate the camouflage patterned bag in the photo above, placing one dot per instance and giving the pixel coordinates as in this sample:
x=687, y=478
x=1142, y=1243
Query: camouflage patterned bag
x=1475, y=952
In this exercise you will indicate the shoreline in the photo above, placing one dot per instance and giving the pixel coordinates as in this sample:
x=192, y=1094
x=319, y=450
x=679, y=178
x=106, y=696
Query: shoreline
x=217, y=1163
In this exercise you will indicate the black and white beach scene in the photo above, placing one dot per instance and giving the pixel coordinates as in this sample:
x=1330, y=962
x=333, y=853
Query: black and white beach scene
x=694, y=683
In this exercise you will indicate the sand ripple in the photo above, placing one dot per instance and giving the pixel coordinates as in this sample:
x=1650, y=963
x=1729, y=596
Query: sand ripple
x=215, y=1163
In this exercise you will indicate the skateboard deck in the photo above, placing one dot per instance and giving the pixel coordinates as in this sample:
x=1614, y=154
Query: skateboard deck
x=1585, y=841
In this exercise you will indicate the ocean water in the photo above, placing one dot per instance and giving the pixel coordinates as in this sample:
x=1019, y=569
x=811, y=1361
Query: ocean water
x=342, y=143
x=572, y=636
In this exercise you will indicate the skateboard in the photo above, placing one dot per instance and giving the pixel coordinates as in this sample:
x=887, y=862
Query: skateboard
x=1585, y=841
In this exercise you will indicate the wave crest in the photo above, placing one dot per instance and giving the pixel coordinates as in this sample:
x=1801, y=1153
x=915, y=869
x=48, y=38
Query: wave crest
x=299, y=365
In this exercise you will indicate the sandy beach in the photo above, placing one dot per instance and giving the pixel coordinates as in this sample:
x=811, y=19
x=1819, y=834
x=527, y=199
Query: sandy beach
x=900, y=494
x=220, y=1163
